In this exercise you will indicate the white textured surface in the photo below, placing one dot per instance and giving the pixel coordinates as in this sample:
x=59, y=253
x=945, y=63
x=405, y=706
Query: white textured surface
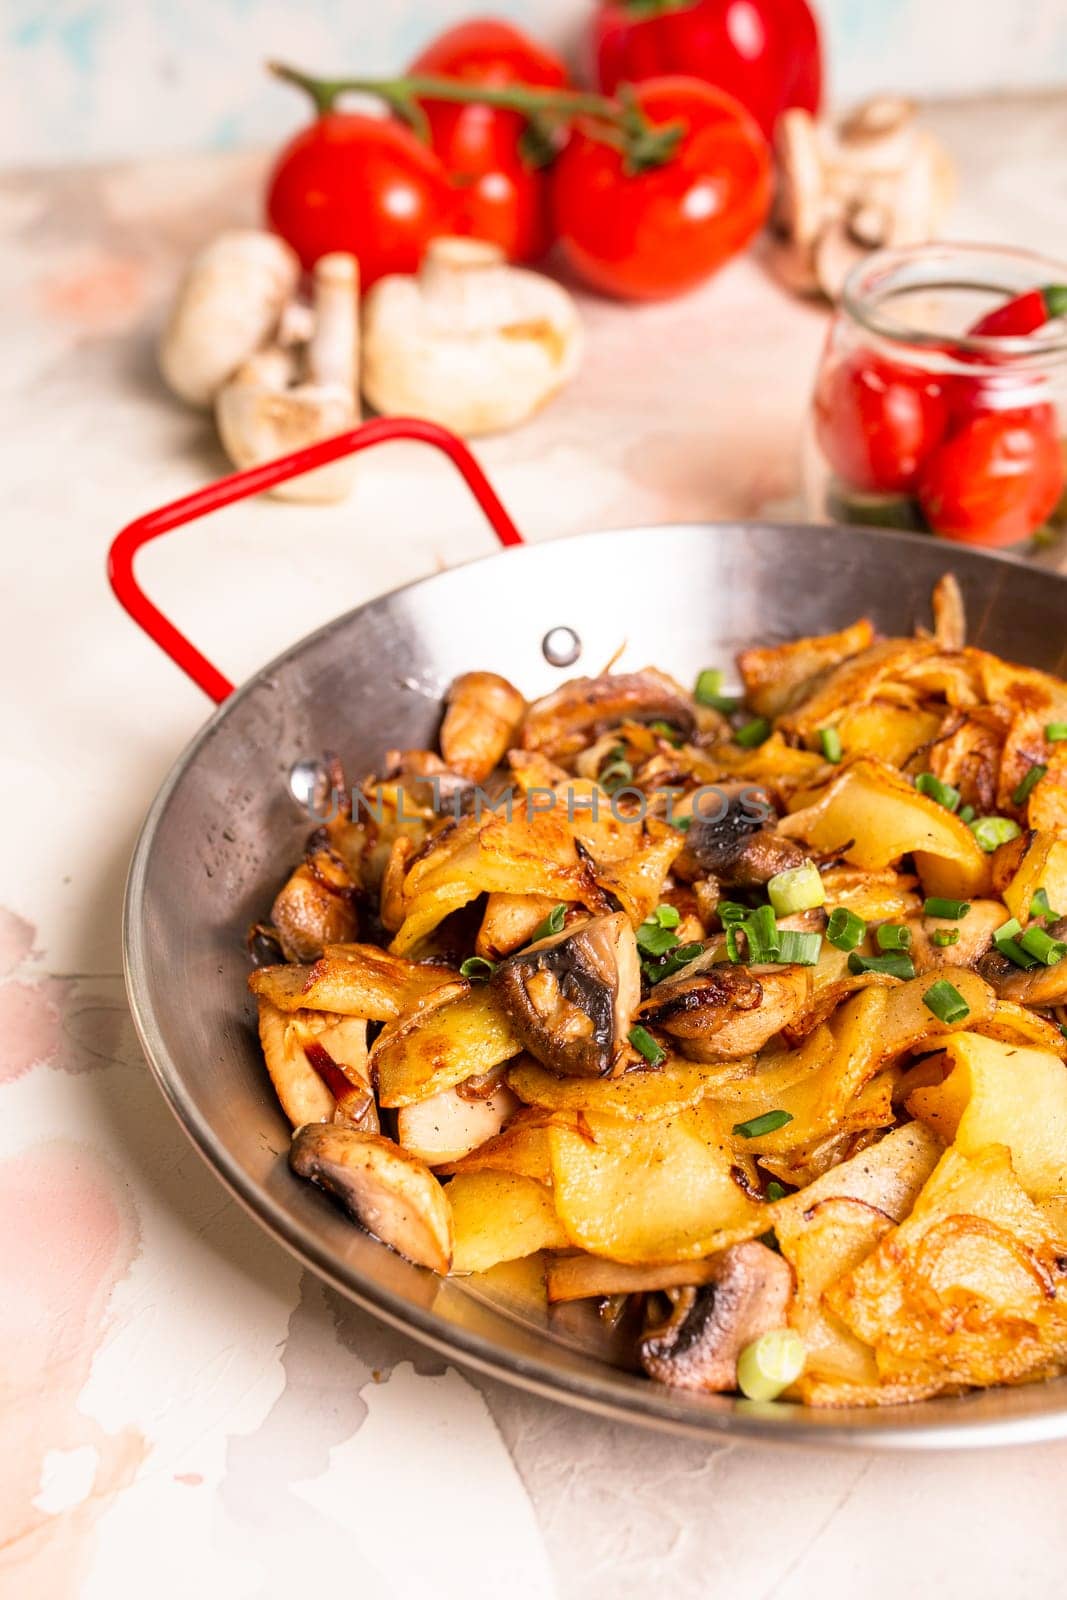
x=176, y=1399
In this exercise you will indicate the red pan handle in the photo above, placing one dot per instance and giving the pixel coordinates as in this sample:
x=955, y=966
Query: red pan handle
x=238, y=486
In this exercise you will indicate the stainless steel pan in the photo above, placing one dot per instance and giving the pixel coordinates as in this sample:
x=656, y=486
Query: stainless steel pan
x=224, y=831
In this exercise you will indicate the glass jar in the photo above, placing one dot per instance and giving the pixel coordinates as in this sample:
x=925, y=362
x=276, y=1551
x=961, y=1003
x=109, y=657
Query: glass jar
x=920, y=422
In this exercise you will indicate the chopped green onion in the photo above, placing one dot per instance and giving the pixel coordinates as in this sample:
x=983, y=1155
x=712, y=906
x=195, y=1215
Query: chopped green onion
x=845, y=929
x=796, y=889
x=945, y=936
x=683, y=824
x=1007, y=943
x=775, y=1190
x=731, y=911
x=1029, y=783
x=646, y=1046
x=1049, y=951
x=798, y=949
x=708, y=691
x=1039, y=905
x=762, y=933
x=553, y=923
x=1055, y=732
x=767, y=1366
x=954, y=910
x=477, y=967
x=946, y=1002
x=654, y=940
x=897, y=964
x=967, y=814
x=666, y=731
x=830, y=740
x=943, y=793
x=617, y=773
x=754, y=733
x=666, y=915
x=893, y=936
x=991, y=832
x=769, y=1122
x=668, y=965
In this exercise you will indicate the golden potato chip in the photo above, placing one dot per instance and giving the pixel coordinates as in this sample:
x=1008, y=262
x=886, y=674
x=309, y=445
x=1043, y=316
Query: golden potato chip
x=454, y=1033
x=498, y=1216
x=644, y=1092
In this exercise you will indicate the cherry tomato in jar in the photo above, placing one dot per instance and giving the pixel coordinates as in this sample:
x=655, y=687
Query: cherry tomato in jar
x=502, y=193
x=660, y=229
x=877, y=420
x=361, y=184
x=994, y=481
x=766, y=53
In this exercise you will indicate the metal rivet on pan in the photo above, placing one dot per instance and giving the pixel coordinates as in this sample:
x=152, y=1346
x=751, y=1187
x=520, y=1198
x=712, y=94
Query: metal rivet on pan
x=561, y=647
x=309, y=785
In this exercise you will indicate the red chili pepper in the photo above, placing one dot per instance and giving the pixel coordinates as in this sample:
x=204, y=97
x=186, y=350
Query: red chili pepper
x=1025, y=314
x=766, y=53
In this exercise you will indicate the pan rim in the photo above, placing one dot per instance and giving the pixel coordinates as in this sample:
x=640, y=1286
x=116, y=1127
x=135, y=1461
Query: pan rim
x=649, y=1405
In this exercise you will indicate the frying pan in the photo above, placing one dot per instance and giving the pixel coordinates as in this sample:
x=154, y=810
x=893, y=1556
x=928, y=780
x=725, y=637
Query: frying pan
x=224, y=832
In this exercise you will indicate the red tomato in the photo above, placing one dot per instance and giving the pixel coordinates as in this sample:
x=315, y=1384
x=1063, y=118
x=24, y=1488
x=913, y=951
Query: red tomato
x=765, y=53
x=994, y=481
x=362, y=184
x=877, y=420
x=501, y=196
x=661, y=231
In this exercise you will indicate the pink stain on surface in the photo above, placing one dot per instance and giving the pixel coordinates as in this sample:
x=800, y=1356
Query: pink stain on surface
x=102, y=294
x=69, y=1238
x=30, y=1028
x=16, y=941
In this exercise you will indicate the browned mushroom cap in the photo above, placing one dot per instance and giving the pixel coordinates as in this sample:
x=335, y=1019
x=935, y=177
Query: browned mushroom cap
x=481, y=722
x=393, y=1195
x=731, y=839
x=726, y=1011
x=570, y=999
x=564, y=721
x=315, y=908
x=698, y=1344
x=1036, y=986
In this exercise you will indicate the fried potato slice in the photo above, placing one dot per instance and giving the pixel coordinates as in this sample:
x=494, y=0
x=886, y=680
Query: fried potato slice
x=498, y=1216
x=649, y=1192
x=1043, y=865
x=520, y=1148
x=821, y=1244
x=853, y=682
x=644, y=1092
x=510, y=920
x=457, y=1032
x=1015, y=1025
x=871, y=815
x=970, y=1289
x=777, y=676
x=357, y=980
x=892, y=733
x=1002, y=1094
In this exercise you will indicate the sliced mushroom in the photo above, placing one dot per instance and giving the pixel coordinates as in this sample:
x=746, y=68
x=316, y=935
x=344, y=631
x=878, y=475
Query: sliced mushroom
x=393, y=1195
x=481, y=723
x=975, y=932
x=315, y=908
x=290, y=396
x=470, y=342
x=228, y=305
x=1036, y=986
x=571, y=998
x=563, y=722
x=317, y=1062
x=732, y=840
x=727, y=1011
x=447, y=1126
x=697, y=1345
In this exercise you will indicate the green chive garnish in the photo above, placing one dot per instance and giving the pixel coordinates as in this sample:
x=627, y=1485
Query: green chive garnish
x=767, y=1366
x=796, y=889
x=666, y=966
x=897, y=964
x=893, y=936
x=1049, y=951
x=1029, y=783
x=477, y=967
x=1039, y=906
x=708, y=691
x=775, y=1190
x=753, y=733
x=666, y=731
x=1055, y=732
x=731, y=911
x=553, y=923
x=991, y=832
x=1006, y=940
x=616, y=774
x=967, y=814
x=798, y=949
x=763, y=937
x=946, y=1002
x=935, y=789
x=770, y=1122
x=830, y=740
x=952, y=910
x=945, y=936
x=646, y=1046
x=845, y=930
x=655, y=940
